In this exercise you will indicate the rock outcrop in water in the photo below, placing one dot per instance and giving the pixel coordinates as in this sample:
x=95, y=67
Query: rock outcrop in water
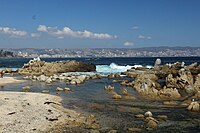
x=38, y=67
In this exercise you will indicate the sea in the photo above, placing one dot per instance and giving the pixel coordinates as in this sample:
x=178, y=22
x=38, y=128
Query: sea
x=91, y=98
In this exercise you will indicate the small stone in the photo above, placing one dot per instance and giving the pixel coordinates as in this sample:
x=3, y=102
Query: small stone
x=112, y=131
x=134, y=129
x=162, y=117
x=173, y=103
x=26, y=88
x=151, y=122
x=59, y=89
x=139, y=116
x=109, y=88
x=67, y=89
x=148, y=114
x=117, y=96
x=45, y=91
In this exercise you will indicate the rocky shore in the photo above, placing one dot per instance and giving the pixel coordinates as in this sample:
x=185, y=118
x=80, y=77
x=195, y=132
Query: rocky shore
x=166, y=82
x=170, y=86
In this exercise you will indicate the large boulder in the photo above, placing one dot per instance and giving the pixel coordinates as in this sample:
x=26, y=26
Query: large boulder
x=37, y=67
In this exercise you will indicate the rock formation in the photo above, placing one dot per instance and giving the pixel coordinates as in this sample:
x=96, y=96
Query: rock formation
x=38, y=67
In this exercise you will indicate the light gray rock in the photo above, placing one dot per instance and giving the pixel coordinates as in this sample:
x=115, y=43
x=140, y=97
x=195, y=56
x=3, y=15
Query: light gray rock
x=157, y=63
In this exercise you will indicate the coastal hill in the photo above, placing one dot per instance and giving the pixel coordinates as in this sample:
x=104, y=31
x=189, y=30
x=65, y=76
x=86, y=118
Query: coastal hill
x=105, y=52
x=4, y=53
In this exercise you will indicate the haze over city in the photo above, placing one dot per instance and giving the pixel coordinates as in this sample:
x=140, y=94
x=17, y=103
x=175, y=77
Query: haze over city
x=99, y=24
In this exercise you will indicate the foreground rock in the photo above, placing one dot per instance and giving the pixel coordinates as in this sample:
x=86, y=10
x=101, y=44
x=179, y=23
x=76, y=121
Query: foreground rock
x=30, y=112
x=37, y=67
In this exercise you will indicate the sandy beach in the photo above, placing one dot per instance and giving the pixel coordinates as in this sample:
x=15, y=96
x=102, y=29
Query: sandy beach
x=33, y=112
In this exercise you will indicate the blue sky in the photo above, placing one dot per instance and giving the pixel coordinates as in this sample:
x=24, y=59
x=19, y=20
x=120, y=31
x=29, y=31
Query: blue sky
x=99, y=23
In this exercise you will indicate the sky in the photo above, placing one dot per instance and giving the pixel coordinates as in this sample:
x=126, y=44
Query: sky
x=99, y=23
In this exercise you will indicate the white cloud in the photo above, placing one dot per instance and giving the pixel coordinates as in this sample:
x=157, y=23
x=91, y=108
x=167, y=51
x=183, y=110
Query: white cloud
x=135, y=27
x=128, y=43
x=141, y=37
x=42, y=28
x=144, y=37
x=12, y=32
x=66, y=31
x=35, y=35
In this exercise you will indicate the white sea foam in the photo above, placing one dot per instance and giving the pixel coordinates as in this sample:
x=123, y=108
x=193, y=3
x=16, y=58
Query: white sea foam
x=112, y=68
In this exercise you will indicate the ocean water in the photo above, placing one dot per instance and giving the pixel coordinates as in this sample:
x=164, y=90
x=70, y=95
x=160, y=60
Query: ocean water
x=104, y=65
x=91, y=98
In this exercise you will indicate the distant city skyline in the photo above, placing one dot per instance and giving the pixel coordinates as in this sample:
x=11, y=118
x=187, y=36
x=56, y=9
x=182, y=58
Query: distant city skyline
x=99, y=23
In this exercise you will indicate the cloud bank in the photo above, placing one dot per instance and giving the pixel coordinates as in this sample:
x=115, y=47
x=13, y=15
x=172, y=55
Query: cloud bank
x=66, y=31
x=12, y=32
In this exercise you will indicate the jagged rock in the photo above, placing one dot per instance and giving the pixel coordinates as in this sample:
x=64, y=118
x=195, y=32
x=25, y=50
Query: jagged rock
x=170, y=81
x=194, y=106
x=148, y=114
